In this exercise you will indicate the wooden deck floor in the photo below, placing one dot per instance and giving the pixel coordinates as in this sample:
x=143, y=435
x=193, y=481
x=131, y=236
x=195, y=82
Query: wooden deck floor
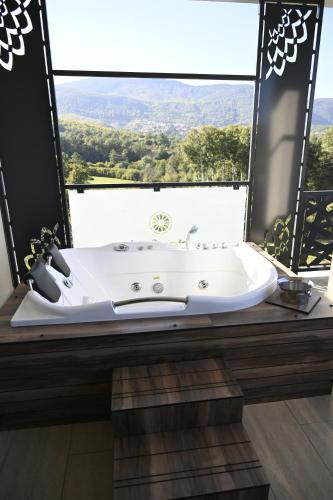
x=294, y=440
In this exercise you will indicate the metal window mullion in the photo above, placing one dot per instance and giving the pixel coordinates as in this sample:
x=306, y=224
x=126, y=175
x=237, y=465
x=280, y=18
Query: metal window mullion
x=7, y=225
x=55, y=125
x=255, y=118
x=158, y=186
x=147, y=74
x=299, y=217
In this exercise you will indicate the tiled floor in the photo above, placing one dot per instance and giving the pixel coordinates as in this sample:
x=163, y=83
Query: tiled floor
x=294, y=440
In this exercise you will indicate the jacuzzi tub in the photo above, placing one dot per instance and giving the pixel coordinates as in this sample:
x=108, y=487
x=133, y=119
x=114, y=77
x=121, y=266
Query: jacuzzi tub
x=150, y=279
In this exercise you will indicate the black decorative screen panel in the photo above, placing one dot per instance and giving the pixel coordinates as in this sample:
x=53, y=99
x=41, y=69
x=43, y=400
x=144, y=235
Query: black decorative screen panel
x=288, y=50
x=279, y=239
x=15, y=23
x=317, y=237
x=31, y=193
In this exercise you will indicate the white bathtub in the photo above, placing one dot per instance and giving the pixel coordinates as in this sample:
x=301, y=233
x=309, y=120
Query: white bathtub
x=151, y=279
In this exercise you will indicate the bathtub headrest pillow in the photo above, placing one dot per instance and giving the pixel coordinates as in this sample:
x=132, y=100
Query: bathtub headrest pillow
x=58, y=262
x=43, y=282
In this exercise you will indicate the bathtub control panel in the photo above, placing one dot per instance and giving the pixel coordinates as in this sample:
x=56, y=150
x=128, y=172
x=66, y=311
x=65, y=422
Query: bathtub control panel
x=202, y=245
x=134, y=247
x=156, y=245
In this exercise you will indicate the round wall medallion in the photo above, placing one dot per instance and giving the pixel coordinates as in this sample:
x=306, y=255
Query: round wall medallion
x=160, y=222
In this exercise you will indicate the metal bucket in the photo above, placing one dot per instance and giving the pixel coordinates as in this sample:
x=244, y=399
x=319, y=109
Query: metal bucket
x=295, y=290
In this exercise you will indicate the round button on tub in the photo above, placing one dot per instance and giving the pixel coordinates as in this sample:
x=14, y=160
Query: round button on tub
x=158, y=287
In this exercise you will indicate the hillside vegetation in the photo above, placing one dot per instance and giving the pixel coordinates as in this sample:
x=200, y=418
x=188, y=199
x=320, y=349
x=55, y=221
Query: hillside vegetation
x=206, y=153
x=162, y=105
x=153, y=105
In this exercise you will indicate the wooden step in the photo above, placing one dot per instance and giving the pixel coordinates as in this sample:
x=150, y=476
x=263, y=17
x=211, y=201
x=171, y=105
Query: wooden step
x=172, y=396
x=213, y=462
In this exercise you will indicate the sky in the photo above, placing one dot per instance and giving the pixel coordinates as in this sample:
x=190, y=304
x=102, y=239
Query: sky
x=165, y=36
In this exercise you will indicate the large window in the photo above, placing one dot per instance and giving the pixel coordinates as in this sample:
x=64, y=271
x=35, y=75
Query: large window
x=179, y=36
x=134, y=130
x=320, y=163
x=187, y=125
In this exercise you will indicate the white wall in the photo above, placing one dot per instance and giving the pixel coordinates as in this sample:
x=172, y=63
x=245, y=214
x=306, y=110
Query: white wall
x=6, y=286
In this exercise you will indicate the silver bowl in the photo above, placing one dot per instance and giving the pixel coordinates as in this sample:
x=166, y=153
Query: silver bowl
x=295, y=290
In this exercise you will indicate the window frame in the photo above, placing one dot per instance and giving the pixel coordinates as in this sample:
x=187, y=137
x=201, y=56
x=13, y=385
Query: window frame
x=170, y=76
x=255, y=78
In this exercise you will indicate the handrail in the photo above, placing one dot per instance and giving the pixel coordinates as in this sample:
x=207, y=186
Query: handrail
x=120, y=303
x=324, y=192
x=157, y=185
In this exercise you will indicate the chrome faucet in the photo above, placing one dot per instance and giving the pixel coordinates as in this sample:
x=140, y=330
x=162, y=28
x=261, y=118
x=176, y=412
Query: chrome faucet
x=193, y=230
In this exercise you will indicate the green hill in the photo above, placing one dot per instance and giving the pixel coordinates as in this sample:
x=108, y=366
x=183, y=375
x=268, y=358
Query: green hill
x=148, y=105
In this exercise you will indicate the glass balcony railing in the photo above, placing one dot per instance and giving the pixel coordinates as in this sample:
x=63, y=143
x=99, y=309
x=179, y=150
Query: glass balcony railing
x=101, y=216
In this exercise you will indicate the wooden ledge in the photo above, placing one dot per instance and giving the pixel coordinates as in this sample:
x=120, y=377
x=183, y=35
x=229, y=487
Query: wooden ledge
x=176, y=395
x=258, y=315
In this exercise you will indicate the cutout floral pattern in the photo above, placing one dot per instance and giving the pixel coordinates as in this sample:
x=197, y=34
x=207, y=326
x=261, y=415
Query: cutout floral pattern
x=15, y=22
x=285, y=39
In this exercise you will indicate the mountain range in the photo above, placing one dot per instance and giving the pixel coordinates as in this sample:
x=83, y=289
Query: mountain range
x=171, y=106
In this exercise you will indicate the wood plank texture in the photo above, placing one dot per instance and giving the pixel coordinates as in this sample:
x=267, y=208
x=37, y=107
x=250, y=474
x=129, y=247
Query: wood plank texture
x=293, y=466
x=89, y=477
x=213, y=462
x=61, y=374
x=178, y=434
x=91, y=437
x=262, y=313
x=86, y=477
x=320, y=435
x=5, y=442
x=152, y=444
x=176, y=395
x=308, y=411
x=35, y=464
x=54, y=406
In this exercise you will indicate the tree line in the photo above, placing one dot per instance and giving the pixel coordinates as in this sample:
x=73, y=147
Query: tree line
x=207, y=153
